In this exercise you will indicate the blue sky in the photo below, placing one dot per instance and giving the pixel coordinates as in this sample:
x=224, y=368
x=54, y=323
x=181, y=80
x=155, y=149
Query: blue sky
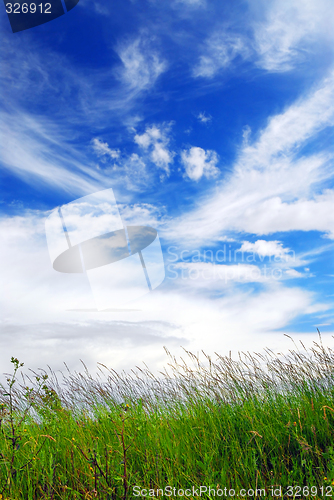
x=213, y=123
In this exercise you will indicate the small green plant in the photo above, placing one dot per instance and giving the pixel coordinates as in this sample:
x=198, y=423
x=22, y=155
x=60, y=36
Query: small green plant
x=120, y=433
x=11, y=424
x=100, y=463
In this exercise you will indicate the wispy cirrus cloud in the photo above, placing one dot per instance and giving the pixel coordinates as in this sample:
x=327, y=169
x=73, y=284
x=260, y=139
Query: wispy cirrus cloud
x=202, y=117
x=287, y=131
x=191, y=3
x=41, y=76
x=280, y=36
x=290, y=30
x=219, y=50
x=141, y=64
x=273, y=186
x=36, y=151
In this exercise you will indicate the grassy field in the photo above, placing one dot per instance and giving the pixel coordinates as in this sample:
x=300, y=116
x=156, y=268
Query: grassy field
x=243, y=428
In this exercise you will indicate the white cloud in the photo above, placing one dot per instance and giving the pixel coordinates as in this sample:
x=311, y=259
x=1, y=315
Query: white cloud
x=156, y=141
x=103, y=150
x=37, y=152
x=287, y=131
x=265, y=248
x=274, y=215
x=204, y=118
x=219, y=277
x=226, y=239
x=41, y=291
x=38, y=328
x=101, y=9
x=100, y=97
x=291, y=29
x=192, y=3
x=293, y=273
x=199, y=163
x=246, y=134
x=141, y=64
x=271, y=187
x=283, y=33
x=219, y=51
x=161, y=156
x=133, y=172
x=143, y=214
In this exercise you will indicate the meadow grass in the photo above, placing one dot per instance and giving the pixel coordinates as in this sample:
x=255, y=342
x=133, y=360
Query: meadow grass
x=260, y=421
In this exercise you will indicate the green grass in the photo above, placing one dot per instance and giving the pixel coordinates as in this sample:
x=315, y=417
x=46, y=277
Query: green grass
x=249, y=423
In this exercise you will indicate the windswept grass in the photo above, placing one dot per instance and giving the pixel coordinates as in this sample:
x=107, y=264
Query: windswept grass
x=254, y=422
